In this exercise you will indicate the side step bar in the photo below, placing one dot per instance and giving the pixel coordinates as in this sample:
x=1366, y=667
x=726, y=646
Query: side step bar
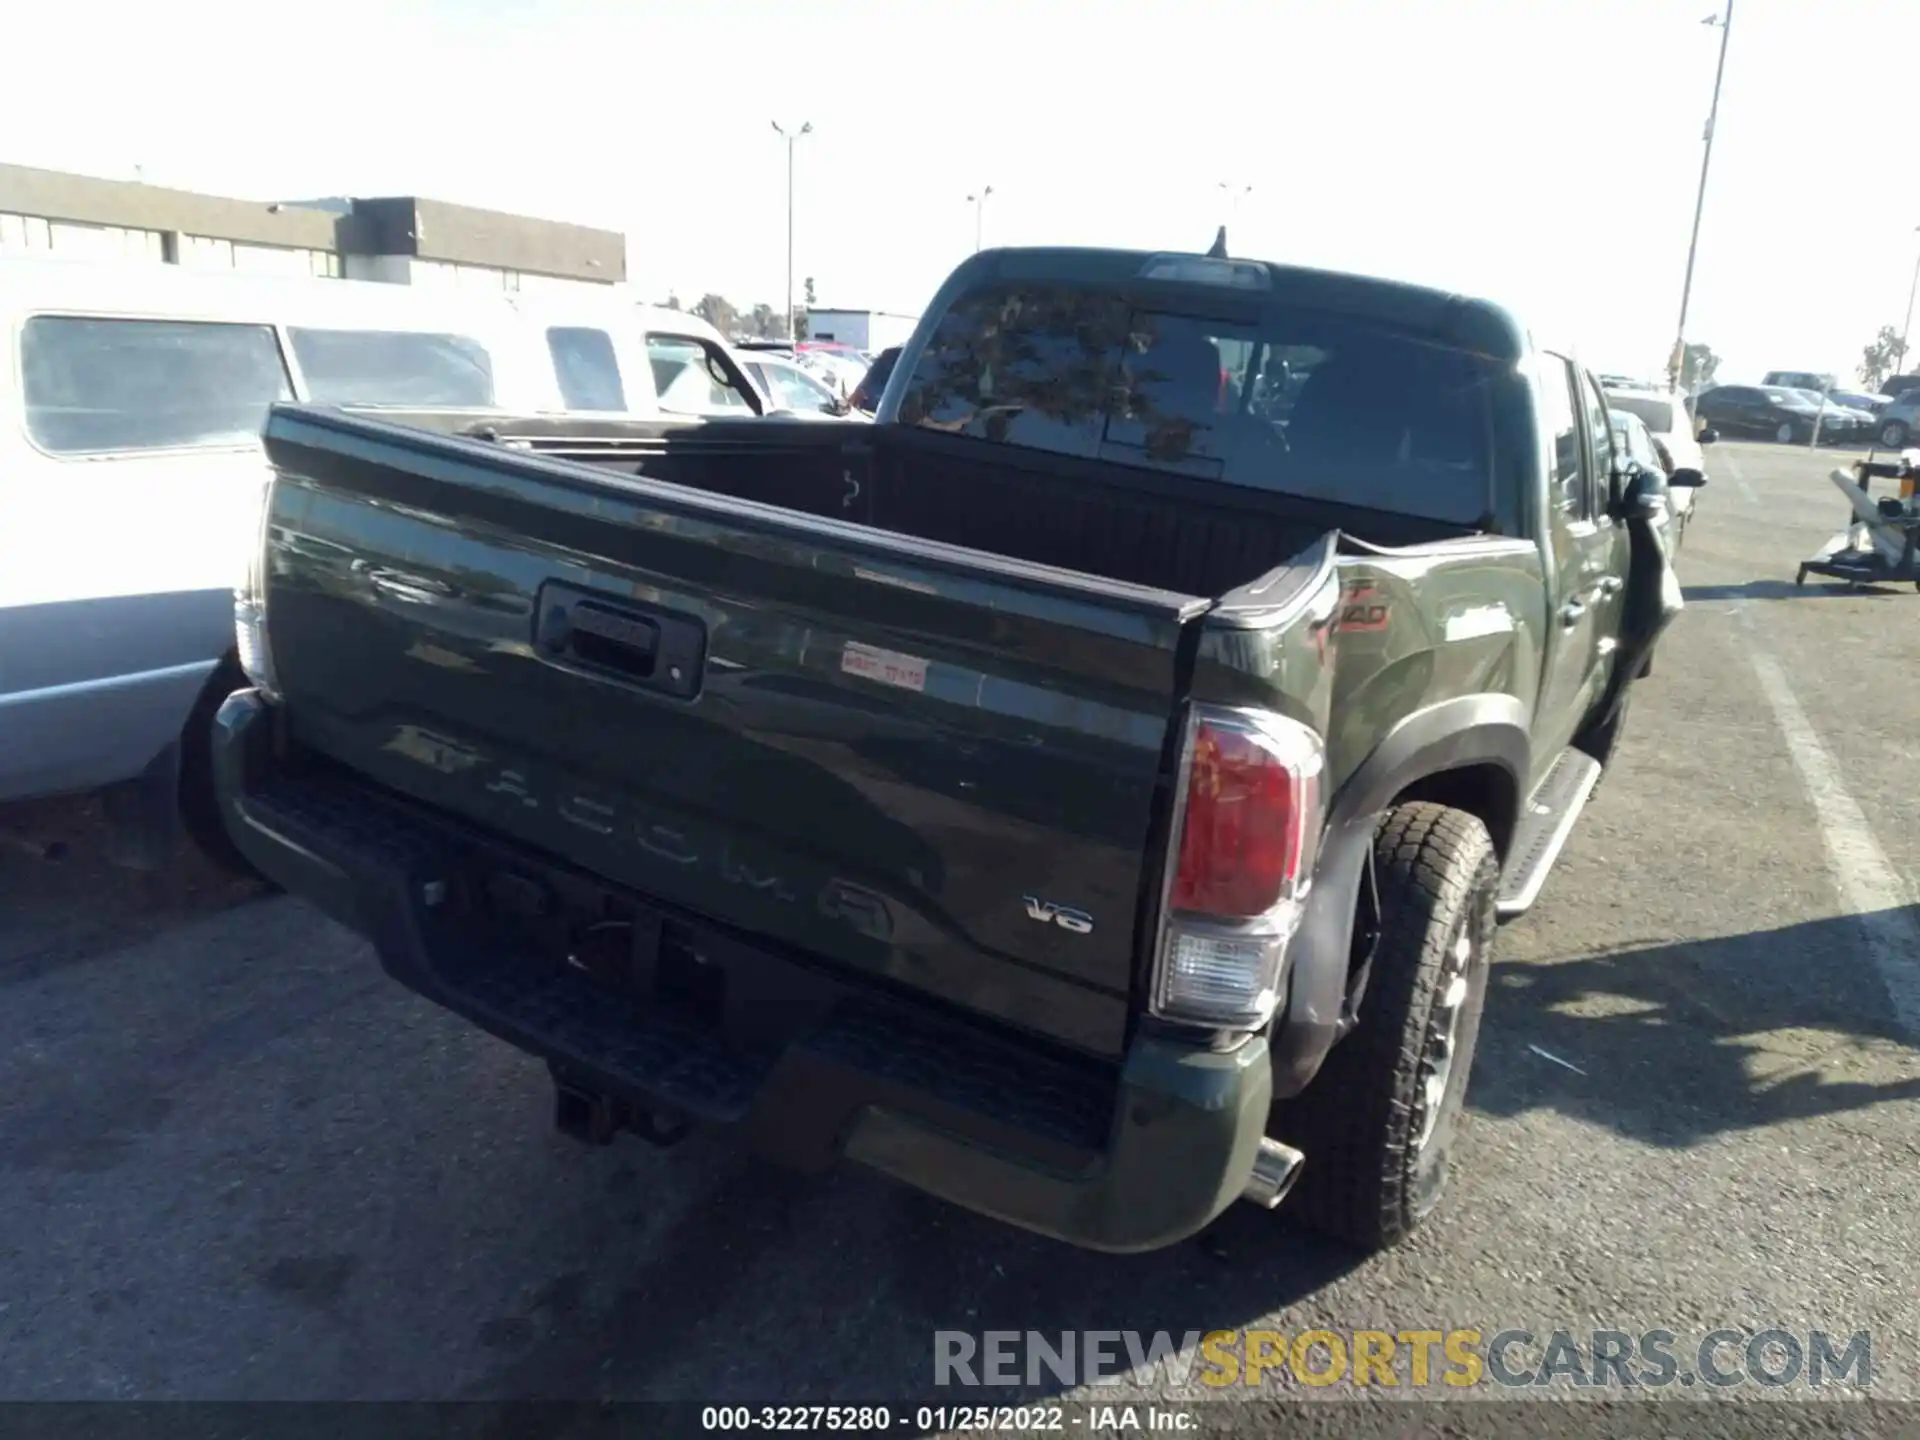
x=1542, y=832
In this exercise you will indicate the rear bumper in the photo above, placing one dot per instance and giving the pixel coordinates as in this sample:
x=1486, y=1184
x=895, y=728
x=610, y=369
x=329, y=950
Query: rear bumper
x=812, y=1066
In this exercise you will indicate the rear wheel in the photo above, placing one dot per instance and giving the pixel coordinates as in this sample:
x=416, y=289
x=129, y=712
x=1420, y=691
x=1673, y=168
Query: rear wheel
x=1377, y=1124
x=1894, y=434
x=1785, y=432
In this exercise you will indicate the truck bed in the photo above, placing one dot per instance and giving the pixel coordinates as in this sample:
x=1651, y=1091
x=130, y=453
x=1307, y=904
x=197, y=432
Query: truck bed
x=835, y=729
x=1187, y=534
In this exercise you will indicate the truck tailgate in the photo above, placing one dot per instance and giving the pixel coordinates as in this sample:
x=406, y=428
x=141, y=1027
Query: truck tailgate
x=931, y=765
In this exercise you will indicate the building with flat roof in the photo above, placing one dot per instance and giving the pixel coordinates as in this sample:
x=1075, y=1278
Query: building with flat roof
x=869, y=330
x=404, y=240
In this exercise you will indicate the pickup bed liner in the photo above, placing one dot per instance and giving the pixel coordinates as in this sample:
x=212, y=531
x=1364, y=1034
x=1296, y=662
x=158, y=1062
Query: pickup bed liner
x=1187, y=534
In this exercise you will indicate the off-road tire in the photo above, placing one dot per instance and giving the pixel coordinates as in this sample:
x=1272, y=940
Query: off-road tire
x=1365, y=1179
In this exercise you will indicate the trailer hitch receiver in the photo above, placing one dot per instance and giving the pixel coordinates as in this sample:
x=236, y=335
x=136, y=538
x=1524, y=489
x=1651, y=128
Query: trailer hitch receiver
x=595, y=1119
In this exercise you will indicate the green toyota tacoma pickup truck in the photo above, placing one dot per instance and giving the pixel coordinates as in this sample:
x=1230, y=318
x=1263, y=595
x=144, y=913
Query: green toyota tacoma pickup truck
x=1087, y=793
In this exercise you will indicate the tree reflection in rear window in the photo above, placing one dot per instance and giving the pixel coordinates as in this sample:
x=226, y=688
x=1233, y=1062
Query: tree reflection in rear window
x=1303, y=403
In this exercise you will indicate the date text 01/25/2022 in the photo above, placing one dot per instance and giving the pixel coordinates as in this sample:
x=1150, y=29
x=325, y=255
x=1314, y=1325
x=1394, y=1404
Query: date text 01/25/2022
x=943, y=1419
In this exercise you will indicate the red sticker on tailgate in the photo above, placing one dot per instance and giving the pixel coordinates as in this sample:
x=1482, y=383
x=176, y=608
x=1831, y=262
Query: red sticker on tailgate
x=884, y=667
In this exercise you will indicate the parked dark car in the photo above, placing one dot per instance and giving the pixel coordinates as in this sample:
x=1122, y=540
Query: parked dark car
x=1838, y=420
x=866, y=395
x=1898, y=385
x=1868, y=400
x=1765, y=412
x=1898, y=424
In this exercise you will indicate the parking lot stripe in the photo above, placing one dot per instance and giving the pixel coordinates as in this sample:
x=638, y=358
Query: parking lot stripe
x=1739, y=480
x=1871, y=887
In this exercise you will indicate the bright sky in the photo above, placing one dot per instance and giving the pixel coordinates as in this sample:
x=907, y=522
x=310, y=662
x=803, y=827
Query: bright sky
x=1540, y=152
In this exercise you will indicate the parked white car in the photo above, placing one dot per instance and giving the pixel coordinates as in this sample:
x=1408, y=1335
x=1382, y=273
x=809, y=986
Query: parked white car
x=838, y=368
x=792, y=387
x=1670, y=422
x=131, y=400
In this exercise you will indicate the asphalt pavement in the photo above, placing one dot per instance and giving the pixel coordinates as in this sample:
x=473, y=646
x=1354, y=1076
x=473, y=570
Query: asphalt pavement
x=237, y=1163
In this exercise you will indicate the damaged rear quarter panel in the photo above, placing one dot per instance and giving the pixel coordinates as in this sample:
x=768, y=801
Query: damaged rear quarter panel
x=1409, y=629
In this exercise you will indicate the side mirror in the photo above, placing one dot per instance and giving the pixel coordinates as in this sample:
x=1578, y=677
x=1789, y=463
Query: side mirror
x=1708, y=435
x=1686, y=479
x=1645, y=496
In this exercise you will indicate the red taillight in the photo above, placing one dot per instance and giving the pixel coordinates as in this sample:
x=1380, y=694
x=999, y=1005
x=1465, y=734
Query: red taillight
x=1252, y=806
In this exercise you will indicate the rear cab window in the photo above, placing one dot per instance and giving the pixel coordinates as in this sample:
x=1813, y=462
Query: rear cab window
x=1302, y=402
x=102, y=386
x=1031, y=367
x=400, y=368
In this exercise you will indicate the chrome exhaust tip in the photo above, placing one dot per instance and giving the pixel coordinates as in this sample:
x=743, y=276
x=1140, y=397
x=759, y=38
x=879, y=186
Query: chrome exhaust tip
x=1275, y=1168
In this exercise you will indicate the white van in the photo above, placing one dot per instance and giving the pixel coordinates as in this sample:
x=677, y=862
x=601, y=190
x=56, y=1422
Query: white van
x=131, y=400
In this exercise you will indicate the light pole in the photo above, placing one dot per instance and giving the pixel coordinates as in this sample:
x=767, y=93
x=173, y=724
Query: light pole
x=1907, y=328
x=979, y=203
x=1677, y=365
x=790, y=137
x=1234, y=192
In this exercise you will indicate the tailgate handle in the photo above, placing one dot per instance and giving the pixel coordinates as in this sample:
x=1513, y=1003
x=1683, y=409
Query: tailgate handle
x=611, y=636
x=627, y=643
